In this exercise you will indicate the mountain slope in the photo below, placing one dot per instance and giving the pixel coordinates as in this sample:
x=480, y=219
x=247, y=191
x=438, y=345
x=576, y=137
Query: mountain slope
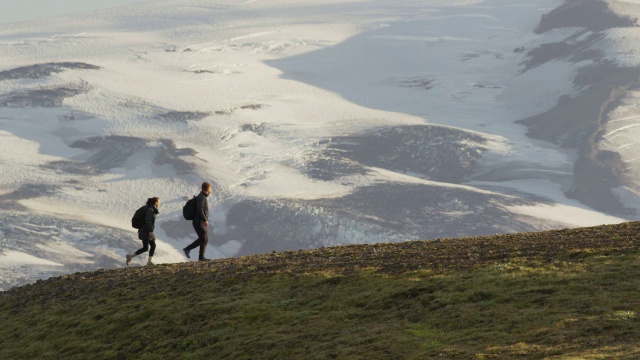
x=557, y=294
x=349, y=121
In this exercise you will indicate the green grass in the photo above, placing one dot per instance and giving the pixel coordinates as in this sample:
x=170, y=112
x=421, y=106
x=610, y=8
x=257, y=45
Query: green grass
x=570, y=294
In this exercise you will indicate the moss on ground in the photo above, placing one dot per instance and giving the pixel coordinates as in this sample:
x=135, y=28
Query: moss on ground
x=569, y=294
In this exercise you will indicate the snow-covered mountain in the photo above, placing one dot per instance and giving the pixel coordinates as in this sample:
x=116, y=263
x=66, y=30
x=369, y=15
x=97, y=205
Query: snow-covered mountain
x=320, y=122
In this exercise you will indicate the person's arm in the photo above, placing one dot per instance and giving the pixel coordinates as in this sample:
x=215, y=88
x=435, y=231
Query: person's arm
x=201, y=208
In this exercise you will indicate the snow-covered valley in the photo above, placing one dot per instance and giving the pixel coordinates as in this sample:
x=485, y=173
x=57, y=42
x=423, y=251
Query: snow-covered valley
x=319, y=122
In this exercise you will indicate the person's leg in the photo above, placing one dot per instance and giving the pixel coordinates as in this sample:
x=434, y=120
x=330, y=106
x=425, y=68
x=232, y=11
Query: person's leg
x=152, y=244
x=205, y=241
x=197, y=226
x=145, y=247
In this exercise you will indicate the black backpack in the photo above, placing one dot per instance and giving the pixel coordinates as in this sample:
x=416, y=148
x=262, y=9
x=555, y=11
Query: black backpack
x=137, y=221
x=189, y=209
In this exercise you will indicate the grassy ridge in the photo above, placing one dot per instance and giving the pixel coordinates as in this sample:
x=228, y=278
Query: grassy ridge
x=561, y=294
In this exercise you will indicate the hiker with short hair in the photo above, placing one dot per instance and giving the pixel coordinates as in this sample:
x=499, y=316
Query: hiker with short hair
x=146, y=231
x=201, y=223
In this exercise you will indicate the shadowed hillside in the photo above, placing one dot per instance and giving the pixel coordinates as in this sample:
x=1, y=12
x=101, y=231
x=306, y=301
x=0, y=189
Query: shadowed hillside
x=535, y=295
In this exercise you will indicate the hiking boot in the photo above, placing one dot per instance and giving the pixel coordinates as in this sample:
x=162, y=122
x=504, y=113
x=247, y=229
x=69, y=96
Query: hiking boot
x=186, y=253
x=203, y=259
x=149, y=261
x=129, y=258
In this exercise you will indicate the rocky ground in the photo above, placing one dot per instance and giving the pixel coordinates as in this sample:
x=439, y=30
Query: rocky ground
x=441, y=255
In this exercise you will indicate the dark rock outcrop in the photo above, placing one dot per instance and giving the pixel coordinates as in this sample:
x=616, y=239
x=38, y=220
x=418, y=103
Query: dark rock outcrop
x=108, y=152
x=39, y=71
x=43, y=97
x=182, y=116
x=436, y=152
x=593, y=15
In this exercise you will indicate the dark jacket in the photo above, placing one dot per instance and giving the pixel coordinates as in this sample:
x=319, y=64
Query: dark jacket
x=149, y=222
x=202, y=208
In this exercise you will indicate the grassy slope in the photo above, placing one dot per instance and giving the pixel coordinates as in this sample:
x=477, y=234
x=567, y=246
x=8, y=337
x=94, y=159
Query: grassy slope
x=562, y=294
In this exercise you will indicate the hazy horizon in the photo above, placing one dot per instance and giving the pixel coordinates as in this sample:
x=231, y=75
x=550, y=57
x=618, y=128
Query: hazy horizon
x=12, y=11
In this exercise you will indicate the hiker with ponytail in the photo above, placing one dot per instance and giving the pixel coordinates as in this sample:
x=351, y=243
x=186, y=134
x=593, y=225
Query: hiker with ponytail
x=146, y=231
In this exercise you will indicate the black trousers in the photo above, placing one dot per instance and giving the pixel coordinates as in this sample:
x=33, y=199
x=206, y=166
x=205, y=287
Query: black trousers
x=146, y=243
x=202, y=240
